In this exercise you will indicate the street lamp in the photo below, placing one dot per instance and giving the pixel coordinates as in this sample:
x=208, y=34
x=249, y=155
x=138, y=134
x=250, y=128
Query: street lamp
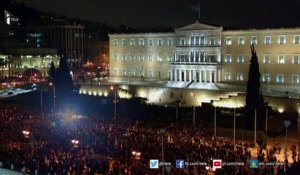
x=194, y=117
x=162, y=132
x=286, y=123
x=233, y=129
x=54, y=94
x=215, y=121
x=115, y=100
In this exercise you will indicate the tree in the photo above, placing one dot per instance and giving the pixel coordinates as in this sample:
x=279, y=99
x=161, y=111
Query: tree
x=63, y=80
x=254, y=99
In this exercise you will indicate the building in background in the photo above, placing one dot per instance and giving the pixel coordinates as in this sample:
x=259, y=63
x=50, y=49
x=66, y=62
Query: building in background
x=199, y=55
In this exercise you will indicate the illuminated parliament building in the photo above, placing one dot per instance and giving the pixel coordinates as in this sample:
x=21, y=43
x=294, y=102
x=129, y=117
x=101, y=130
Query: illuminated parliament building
x=201, y=55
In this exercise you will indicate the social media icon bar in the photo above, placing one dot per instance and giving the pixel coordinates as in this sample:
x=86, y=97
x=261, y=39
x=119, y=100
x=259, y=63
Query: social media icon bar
x=253, y=163
x=154, y=163
x=217, y=163
x=180, y=163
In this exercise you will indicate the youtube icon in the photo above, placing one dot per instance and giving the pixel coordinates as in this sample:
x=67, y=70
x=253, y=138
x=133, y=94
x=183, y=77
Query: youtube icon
x=217, y=163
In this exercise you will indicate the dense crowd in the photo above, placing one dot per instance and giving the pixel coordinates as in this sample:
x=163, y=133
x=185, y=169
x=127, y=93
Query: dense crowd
x=105, y=146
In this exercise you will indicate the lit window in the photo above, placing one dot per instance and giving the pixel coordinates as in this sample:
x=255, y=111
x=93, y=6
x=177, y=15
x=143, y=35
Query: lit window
x=150, y=42
x=159, y=57
x=241, y=40
x=170, y=41
x=253, y=39
x=123, y=42
x=297, y=39
x=239, y=77
x=115, y=42
x=280, y=78
x=266, y=78
x=132, y=42
x=160, y=41
x=296, y=59
x=280, y=59
x=150, y=57
x=228, y=58
x=212, y=41
x=281, y=39
x=141, y=42
x=228, y=41
x=227, y=76
x=240, y=59
x=295, y=79
x=267, y=59
x=268, y=40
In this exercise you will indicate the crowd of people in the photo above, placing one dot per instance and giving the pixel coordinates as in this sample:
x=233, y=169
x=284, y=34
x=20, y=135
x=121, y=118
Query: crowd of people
x=54, y=143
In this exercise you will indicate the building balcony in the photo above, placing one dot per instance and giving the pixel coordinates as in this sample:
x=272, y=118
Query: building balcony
x=195, y=63
x=199, y=45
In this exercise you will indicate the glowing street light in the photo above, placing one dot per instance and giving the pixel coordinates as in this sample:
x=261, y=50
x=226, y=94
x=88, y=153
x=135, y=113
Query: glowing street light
x=54, y=94
x=75, y=143
x=286, y=123
x=26, y=133
x=136, y=155
x=112, y=88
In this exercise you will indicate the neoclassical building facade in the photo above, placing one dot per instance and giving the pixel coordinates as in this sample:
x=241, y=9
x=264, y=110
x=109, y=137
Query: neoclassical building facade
x=203, y=54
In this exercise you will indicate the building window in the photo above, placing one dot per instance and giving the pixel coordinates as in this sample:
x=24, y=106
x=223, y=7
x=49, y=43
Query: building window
x=279, y=78
x=228, y=58
x=267, y=59
x=142, y=57
x=202, y=40
x=227, y=76
x=240, y=59
x=115, y=71
x=295, y=79
x=268, y=40
x=170, y=57
x=123, y=42
x=296, y=59
x=132, y=73
x=141, y=42
x=212, y=41
x=241, y=40
x=266, y=78
x=150, y=73
x=239, y=77
x=197, y=40
x=159, y=57
x=192, y=40
x=124, y=57
x=115, y=42
x=280, y=59
x=132, y=57
x=141, y=73
x=170, y=41
x=115, y=57
x=150, y=57
x=160, y=41
x=124, y=72
x=182, y=42
x=253, y=39
x=281, y=39
x=228, y=40
x=132, y=42
x=297, y=39
x=150, y=42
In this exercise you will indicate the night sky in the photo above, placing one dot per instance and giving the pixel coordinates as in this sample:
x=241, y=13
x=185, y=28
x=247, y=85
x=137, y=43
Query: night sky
x=177, y=13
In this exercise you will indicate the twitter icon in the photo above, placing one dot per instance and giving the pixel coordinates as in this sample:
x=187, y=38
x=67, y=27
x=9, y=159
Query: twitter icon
x=154, y=163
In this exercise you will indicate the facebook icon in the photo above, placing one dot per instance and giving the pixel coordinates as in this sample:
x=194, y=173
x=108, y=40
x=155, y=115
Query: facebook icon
x=180, y=163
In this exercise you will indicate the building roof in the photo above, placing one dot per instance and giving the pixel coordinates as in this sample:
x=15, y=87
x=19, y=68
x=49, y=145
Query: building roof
x=198, y=26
